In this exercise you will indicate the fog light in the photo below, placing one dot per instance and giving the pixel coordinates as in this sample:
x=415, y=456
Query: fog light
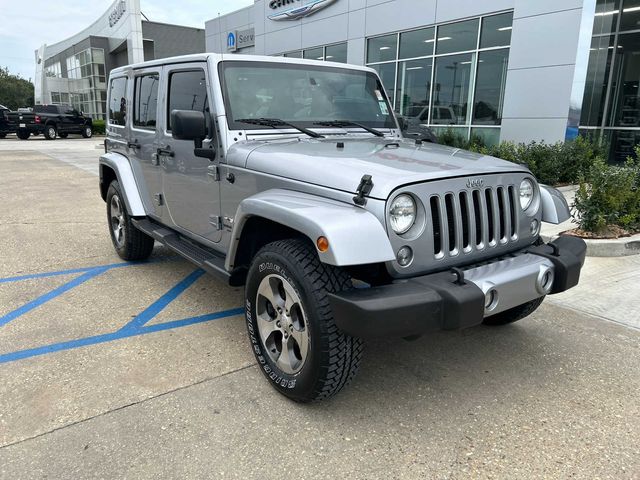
x=490, y=300
x=534, y=227
x=404, y=256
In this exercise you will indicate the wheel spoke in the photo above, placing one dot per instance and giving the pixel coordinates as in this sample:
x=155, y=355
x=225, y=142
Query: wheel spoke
x=302, y=339
x=270, y=291
x=284, y=360
x=266, y=326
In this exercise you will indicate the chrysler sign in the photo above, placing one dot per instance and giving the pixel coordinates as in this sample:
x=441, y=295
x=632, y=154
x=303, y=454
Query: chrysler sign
x=117, y=13
x=301, y=8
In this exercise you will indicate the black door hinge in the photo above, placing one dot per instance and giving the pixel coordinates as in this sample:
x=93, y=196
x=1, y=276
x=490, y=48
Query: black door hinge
x=366, y=184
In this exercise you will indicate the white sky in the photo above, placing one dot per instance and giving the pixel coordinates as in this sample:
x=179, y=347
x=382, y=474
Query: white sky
x=27, y=24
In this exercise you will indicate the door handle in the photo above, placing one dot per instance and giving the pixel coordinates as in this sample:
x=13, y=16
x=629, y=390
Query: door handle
x=133, y=145
x=165, y=151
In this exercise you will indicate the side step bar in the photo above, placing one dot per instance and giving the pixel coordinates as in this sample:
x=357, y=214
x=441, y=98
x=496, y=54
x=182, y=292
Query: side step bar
x=205, y=259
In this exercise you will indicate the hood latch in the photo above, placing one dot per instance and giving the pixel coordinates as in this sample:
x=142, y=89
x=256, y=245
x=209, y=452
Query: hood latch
x=366, y=184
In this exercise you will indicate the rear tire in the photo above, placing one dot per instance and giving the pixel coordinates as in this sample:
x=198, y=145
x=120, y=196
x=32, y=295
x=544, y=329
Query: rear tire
x=50, y=132
x=87, y=132
x=513, y=314
x=129, y=242
x=23, y=134
x=297, y=344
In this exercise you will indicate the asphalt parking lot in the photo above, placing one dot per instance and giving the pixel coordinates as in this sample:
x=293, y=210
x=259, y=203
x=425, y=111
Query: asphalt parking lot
x=115, y=370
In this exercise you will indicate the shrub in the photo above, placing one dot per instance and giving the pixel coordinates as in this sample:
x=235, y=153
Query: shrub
x=611, y=197
x=98, y=127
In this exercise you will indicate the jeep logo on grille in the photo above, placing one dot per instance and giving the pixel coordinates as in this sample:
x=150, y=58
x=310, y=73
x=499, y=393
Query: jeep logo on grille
x=475, y=182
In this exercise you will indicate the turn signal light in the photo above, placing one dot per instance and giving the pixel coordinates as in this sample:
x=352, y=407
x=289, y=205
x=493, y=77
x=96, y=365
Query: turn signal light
x=323, y=244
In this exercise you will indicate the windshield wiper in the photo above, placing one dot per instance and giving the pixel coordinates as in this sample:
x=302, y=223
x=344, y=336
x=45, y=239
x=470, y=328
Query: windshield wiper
x=349, y=123
x=276, y=122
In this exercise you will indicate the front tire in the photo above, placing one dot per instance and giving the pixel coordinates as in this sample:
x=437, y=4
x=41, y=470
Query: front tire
x=294, y=338
x=87, y=132
x=129, y=242
x=50, y=132
x=513, y=314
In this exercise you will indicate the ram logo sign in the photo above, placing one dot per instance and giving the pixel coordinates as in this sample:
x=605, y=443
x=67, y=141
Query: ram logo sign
x=297, y=12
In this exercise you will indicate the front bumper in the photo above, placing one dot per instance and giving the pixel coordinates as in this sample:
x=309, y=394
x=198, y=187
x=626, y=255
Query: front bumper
x=452, y=300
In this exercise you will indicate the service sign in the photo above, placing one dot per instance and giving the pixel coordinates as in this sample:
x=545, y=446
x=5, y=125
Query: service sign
x=238, y=39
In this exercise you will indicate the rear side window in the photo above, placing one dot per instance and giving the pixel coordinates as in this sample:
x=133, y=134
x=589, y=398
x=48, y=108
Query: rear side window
x=187, y=91
x=118, y=101
x=145, y=101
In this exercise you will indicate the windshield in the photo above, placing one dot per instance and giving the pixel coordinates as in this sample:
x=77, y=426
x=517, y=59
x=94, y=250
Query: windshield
x=302, y=94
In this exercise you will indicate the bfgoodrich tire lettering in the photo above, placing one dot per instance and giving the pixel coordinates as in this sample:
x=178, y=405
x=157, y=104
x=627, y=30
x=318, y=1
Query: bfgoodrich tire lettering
x=129, y=242
x=332, y=358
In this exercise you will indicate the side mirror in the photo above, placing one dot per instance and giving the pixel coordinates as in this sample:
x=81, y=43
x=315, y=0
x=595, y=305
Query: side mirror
x=191, y=125
x=188, y=125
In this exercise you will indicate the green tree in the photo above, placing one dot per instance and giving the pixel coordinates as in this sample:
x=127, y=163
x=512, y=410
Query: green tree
x=15, y=91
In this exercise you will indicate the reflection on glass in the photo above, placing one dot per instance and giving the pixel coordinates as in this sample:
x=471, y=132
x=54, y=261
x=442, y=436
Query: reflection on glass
x=496, y=30
x=381, y=49
x=417, y=43
x=625, y=94
x=606, y=16
x=490, y=84
x=387, y=73
x=336, y=53
x=487, y=136
x=414, y=86
x=296, y=54
x=595, y=91
x=630, y=15
x=314, y=53
x=457, y=37
x=452, y=88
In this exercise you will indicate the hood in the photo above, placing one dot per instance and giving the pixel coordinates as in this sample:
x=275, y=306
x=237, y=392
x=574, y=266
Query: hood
x=390, y=162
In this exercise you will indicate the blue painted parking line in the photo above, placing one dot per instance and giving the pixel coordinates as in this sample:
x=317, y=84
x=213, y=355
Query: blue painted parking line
x=135, y=327
x=66, y=272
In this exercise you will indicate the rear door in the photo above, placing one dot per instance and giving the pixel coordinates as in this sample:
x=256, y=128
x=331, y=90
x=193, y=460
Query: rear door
x=190, y=183
x=142, y=144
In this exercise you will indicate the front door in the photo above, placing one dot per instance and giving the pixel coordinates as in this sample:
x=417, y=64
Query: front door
x=191, y=187
x=142, y=144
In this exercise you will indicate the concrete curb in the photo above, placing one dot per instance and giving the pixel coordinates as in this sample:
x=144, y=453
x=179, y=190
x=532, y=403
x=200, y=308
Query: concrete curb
x=608, y=247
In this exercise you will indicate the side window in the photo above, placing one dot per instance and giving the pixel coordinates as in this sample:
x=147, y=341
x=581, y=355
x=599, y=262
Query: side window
x=118, y=101
x=145, y=101
x=187, y=91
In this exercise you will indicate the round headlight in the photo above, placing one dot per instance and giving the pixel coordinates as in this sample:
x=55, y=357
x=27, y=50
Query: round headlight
x=402, y=214
x=526, y=193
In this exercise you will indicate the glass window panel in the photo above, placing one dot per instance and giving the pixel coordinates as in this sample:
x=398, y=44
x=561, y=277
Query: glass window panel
x=187, y=91
x=387, y=73
x=117, y=101
x=606, y=16
x=296, y=54
x=490, y=83
x=314, y=54
x=622, y=143
x=98, y=55
x=452, y=86
x=381, y=49
x=600, y=55
x=461, y=134
x=487, y=136
x=336, y=53
x=414, y=87
x=457, y=37
x=55, y=97
x=630, y=15
x=418, y=43
x=624, y=104
x=496, y=30
x=145, y=101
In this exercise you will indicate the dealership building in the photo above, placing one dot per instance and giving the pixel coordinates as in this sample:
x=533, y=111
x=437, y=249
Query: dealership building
x=518, y=70
x=74, y=71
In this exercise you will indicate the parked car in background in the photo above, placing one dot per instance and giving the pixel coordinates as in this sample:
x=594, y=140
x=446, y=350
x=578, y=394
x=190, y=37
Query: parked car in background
x=52, y=121
x=5, y=125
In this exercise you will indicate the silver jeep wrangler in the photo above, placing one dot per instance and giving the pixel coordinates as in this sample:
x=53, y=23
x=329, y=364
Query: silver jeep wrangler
x=291, y=177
